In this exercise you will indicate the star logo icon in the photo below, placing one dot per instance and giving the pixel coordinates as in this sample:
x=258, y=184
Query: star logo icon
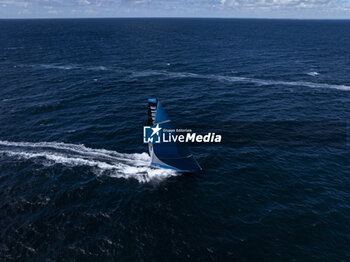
x=152, y=134
x=156, y=130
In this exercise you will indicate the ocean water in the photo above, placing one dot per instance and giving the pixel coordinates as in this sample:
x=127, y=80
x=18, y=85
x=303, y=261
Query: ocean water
x=75, y=184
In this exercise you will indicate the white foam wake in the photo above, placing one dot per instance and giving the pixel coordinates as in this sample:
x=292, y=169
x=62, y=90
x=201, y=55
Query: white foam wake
x=215, y=77
x=314, y=73
x=101, y=161
x=68, y=67
x=239, y=79
x=257, y=81
x=287, y=83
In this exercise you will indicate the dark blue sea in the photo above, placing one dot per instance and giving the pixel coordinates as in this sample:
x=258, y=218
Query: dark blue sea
x=75, y=181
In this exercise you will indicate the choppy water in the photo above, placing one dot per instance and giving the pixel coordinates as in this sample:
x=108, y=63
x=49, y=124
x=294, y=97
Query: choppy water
x=74, y=177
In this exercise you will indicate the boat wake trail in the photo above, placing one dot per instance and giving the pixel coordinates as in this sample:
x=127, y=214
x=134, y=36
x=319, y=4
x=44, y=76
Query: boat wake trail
x=101, y=161
x=239, y=79
x=185, y=75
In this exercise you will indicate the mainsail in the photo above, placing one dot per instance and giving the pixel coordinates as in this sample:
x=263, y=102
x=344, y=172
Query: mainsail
x=170, y=155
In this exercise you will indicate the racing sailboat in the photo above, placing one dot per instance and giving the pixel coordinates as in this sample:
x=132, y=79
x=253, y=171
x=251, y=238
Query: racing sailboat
x=170, y=155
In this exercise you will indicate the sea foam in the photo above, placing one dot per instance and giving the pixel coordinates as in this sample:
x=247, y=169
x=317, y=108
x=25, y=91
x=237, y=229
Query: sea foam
x=314, y=73
x=213, y=77
x=102, y=162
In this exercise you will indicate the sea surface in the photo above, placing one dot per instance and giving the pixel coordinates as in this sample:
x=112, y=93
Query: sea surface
x=75, y=181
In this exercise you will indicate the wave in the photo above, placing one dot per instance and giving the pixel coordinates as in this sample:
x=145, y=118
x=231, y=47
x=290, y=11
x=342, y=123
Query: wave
x=102, y=162
x=69, y=67
x=13, y=48
x=313, y=73
x=98, y=68
x=284, y=83
x=257, y=81
x=215, y=77
x=54, y=66
x=238, y=79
